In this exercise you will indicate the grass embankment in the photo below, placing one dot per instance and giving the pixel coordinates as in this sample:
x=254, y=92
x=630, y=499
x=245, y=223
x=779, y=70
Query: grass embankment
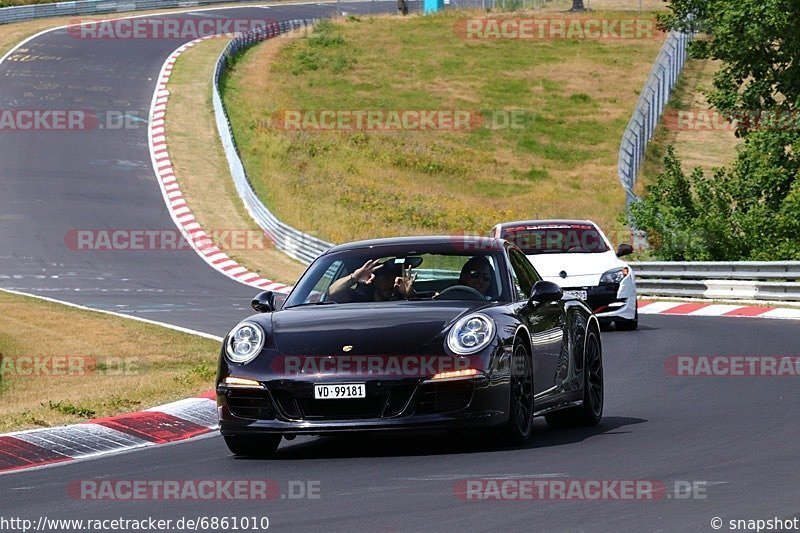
x=574, y=98
x=202, y=170
x=61, y=365
x=701, y=138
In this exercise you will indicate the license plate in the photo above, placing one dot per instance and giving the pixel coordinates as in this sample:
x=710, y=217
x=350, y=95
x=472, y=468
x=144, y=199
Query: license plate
x=340, y=391
x=581, y=295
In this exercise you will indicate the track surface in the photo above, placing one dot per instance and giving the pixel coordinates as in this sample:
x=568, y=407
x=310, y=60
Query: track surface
x=739, y=435
x=56, y=181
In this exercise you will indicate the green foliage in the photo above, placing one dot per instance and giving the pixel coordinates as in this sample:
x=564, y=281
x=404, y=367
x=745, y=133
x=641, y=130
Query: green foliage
x=750, y=210
x=202, y=372
x=324, y=50
x=758, y=42
x=747, y=212
x=70, y=409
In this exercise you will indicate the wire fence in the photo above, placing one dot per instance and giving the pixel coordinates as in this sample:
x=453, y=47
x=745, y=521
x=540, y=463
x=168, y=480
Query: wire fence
x=652, y=101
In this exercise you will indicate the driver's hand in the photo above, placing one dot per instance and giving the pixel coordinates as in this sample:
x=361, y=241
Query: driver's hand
x=366, y=273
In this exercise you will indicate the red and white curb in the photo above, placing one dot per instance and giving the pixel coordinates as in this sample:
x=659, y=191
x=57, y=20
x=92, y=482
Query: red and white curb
x=170, y=189
x=654, y=307
x=172, y=422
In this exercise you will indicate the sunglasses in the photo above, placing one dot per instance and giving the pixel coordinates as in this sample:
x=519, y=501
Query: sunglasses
x=474, y=274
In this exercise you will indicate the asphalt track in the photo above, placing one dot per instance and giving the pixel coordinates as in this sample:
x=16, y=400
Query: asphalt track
x=739, y=435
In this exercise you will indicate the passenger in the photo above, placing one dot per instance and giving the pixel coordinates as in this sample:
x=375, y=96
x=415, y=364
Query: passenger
x=374, y=281
x=477, y=273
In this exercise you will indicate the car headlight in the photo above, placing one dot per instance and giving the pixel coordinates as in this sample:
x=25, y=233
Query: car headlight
x=615, y=276
x=471, y=334
x=244, y=342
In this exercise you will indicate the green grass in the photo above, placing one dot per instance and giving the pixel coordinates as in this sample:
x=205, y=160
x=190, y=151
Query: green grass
x=572, y=100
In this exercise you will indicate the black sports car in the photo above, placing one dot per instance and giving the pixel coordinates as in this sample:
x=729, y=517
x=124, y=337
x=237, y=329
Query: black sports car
x=410, y=333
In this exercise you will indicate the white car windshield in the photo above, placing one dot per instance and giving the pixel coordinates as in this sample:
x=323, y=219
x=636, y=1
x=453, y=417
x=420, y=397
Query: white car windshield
x=557, y=238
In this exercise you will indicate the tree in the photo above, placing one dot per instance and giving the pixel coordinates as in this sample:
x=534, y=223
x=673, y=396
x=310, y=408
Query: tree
x=577, y=5
x=751, y=210
x=758, y=42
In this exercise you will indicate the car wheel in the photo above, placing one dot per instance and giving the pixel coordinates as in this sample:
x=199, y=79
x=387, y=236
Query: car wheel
x=590, y=411
x=520, y=422
x=628, y=325
x=253, y=445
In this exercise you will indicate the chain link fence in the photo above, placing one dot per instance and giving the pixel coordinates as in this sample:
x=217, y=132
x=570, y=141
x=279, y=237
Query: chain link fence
x=652, y=101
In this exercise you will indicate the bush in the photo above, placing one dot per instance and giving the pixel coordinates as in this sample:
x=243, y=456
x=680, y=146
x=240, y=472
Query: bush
x=746, y=212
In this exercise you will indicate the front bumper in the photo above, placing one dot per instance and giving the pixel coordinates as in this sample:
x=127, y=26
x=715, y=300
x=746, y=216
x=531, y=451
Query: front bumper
x=611, y=300
x=288, y=407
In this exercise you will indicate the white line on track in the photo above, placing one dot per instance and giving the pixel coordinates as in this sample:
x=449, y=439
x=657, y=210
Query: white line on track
x=112, y=313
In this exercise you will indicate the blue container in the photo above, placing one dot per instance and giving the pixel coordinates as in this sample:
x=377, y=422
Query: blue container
x=429, y=6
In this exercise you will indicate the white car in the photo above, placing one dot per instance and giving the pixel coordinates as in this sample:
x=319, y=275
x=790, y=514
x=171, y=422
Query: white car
x=577, y=256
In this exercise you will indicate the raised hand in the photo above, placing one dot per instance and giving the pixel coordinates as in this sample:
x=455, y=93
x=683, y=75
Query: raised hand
x=366, y=273
x=403, y=285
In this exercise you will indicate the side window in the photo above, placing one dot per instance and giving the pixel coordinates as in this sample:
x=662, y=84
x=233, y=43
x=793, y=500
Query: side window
x=524, y=275
x=331, y=275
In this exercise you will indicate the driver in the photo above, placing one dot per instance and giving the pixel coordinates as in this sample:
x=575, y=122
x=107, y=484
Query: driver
x=477, y=273
x=374, y=281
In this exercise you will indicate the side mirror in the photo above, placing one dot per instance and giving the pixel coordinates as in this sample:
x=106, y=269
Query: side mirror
x=264, y=302
x=624, y=249
x=545, y=291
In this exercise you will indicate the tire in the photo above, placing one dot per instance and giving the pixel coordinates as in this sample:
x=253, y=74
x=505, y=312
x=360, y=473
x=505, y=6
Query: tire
x=590, y=412
x=628, y=325
x=519, y=427
x=262, y=446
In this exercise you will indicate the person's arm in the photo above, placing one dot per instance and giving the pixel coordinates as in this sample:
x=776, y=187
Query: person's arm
x=341, y=289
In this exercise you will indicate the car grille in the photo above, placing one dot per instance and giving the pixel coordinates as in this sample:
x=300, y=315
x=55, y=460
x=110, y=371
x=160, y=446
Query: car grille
x=252, y=404
x=444, y=397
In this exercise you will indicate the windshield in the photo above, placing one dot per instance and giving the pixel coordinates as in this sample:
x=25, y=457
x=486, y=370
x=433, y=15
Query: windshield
x=359, y=276
x=557, y=238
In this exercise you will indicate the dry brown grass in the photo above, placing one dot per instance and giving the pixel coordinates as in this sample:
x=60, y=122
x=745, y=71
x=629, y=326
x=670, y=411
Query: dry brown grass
x=348, y=185
x=703, y=147
x=147, y=365
x=200, y=165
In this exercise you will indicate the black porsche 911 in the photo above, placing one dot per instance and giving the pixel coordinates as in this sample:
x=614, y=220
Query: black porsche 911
x=410, y=333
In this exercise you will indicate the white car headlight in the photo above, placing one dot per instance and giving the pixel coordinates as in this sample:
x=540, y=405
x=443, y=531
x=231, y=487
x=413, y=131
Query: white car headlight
x=615, y=276
x=471, y=334
x=244, y=342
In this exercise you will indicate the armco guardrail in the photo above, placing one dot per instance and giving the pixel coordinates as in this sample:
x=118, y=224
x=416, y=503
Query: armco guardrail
x=301, y=246
x=766, y=281
x=96, y=7
x=652, y=100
